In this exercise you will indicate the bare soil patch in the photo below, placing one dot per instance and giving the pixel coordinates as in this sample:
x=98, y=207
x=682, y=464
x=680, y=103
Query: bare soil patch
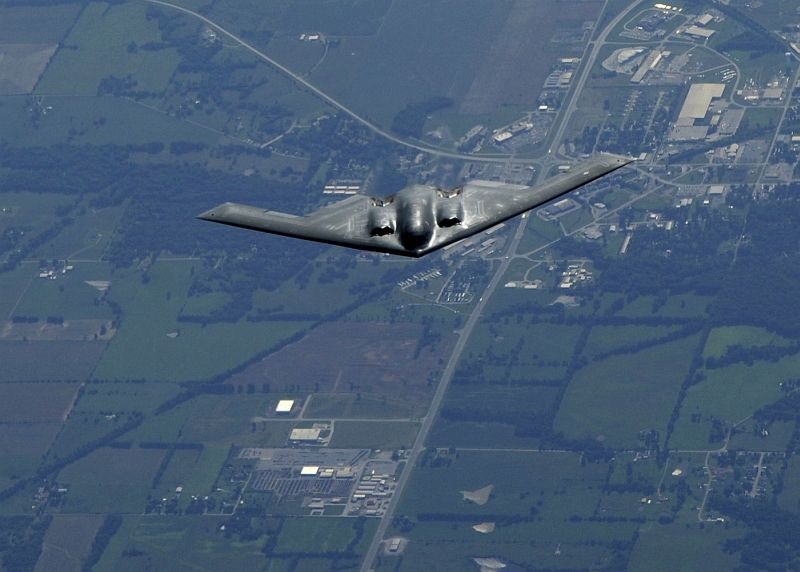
x=21, y=65
x=36, y=402
x=479, y=497
x=345, y=357
x=68, y=542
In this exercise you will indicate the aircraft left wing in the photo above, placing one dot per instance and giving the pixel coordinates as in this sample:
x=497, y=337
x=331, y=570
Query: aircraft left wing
x=342, y=224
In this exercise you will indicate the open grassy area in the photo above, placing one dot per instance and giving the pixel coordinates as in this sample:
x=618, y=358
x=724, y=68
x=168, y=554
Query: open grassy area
x=473, y=434
x=22, y=446
x=607, y=338
x=350, y=406
x=204, y=474
x=616, y=398
x=746, y=336
x=222, y=419
x=110, y=480
x=374, y=434
x=699, y=548
x=125, y=396
x=552, y=488
x=102, y=36
x=36, y=25
x=735, y=392
x=141, y=348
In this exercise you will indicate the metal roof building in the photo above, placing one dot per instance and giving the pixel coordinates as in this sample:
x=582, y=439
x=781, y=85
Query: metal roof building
x=699, y=98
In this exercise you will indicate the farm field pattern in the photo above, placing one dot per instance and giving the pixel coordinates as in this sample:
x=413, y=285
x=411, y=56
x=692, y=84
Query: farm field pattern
x=609, y=383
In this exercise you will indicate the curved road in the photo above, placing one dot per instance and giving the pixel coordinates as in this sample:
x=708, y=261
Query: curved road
x=321, y=94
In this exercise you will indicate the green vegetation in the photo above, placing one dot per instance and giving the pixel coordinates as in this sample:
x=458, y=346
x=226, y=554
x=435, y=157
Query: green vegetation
x=105, y=33
x=374, y=434
x=592, y=399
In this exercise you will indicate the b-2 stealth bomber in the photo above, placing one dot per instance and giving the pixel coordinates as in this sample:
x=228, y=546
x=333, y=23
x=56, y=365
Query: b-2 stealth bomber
x=419, y=219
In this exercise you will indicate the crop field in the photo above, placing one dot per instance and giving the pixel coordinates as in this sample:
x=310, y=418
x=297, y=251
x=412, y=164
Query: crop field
x=447, y=433
x=126, y=396
x=437, y=490
x=222, y=419
x=422, y=50
x=193, y=543
x=321, y=535
x=604, y=339
x=68, y=542
x=556, y=544
x=185, y=544
x=22, y=446
x=349, y=406
x=789, y=499
x=36, y=25
x=87, y=238
x=543, y=350
x=166, y=427
x=746, y=336
x=82, y=428
x=141, y=348
x=501, y=398
x=561, y=494
x=36, y=402
x=102, y=36
x=204, y=474
x=735, y=392
x=177, y=473
x=374, y=434
x=48, y=361
x=374, y=359
x=598, y=392
x=96, y=120
x=68, y=296
x=699, y=549
x=110, y=480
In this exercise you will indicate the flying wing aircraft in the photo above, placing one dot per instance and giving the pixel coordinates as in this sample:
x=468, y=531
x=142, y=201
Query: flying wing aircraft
x=419, y=219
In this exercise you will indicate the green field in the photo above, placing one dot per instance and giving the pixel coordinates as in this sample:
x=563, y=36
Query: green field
x=125, y=396
x=204, y=474
x=349, y=406
x=374, y=434
x=142, y=350
x=36, y=25
x=604, y=339
x=746, y=336
x=789, y=499
x=473, y=434
x=110, y=480
x=221, y=420
x=22, y=446
x=616, y=398
x=102, y=36
x=656, y=551
x=735, y=392
x=548, y=493
x=103, y=120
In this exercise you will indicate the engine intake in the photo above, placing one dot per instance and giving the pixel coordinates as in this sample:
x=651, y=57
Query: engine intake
x=449, y=213
x=381, y=222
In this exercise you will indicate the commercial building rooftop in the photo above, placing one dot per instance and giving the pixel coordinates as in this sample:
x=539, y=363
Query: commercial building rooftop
x=284, y=406
x=699, y=98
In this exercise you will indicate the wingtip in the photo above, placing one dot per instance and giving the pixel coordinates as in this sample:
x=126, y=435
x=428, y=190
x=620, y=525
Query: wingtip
x=214, y=214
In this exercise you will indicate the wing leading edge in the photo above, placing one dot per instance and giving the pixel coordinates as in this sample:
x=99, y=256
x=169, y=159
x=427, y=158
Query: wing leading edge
x=345, y=223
